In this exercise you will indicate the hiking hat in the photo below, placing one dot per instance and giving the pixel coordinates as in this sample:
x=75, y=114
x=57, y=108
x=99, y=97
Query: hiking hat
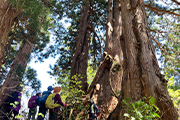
x=57, y=89
x=91, y=101
x=38, y=92
x=50, y=88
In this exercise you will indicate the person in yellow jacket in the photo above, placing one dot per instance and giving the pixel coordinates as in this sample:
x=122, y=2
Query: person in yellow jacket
x=53, y=113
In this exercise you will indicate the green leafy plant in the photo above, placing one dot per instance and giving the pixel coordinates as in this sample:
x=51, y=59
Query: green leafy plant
x=74, y=100
x=14, y=104
x=174, y=91
x=18, y=116
x=140, y=110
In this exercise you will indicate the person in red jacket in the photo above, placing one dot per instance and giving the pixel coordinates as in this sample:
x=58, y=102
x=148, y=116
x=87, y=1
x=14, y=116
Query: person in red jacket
x=53, y=113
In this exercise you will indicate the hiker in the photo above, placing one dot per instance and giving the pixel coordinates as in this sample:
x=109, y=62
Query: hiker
x=94, y=110
x=53, y=113
x=32, y=105
x=15, y=98
x=42, y=100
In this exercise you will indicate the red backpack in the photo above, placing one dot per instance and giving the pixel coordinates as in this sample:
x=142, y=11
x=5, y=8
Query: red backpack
x=99, y=110
x=96, y=108
x=32, y=102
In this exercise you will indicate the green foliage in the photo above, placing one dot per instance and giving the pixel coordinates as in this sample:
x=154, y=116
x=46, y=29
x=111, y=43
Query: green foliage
x=30, y=79
x=74, y=101
x=76, y=83
x=72, y=95
x=33, y=24
x=91, y=72
x=140, y=110
x=14, y=104
x=174, y=91
x=165, y=30
x=65, y=40
x=64, y=79
x=35, y=19
x=18, y=116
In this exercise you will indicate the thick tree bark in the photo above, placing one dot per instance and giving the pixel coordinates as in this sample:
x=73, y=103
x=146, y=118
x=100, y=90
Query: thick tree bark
x=140, y=71
x=80, y=59
x=15, y=75
x=7, y=19
x=106, y=75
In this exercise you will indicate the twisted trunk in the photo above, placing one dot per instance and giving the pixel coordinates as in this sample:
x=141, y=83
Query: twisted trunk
x=140, y=71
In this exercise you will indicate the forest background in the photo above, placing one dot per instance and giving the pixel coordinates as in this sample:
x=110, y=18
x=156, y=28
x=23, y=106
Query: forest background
x=35, y=30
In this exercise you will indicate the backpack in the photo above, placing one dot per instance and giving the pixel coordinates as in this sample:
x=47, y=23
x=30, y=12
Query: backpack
x=50, y=102
x=32, y=102
x=12, y=98
x=99, y=110
x=42, y=99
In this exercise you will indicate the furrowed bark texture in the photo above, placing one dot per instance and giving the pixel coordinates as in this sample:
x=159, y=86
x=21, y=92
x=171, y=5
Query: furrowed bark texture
x=15, y=75
x=7, y=18
x=80, y=59
x=103, y=97
x=140, y=69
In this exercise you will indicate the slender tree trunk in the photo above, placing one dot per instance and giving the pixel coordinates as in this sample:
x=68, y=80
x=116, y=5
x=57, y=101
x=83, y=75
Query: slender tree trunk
x=7, y=18
x=80, y=59
x=15, y=74
x=140, y=71
x=106, y=75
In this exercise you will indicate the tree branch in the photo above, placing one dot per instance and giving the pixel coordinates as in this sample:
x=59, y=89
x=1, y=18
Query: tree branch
x=156, y=10
x=4, y=114
x=92, y=29
x=176, y=2
x=159, y=45
x=48, y=3
x=25, y=35
x=157, y=31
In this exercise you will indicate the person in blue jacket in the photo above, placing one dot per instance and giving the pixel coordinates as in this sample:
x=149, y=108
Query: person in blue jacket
x=42, y=100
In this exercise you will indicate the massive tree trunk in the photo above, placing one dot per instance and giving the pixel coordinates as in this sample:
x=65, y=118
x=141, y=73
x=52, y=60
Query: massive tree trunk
x=109, y=75
x=15, y=75
x=80, y=59
x=7, y=19
x=140, y=71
